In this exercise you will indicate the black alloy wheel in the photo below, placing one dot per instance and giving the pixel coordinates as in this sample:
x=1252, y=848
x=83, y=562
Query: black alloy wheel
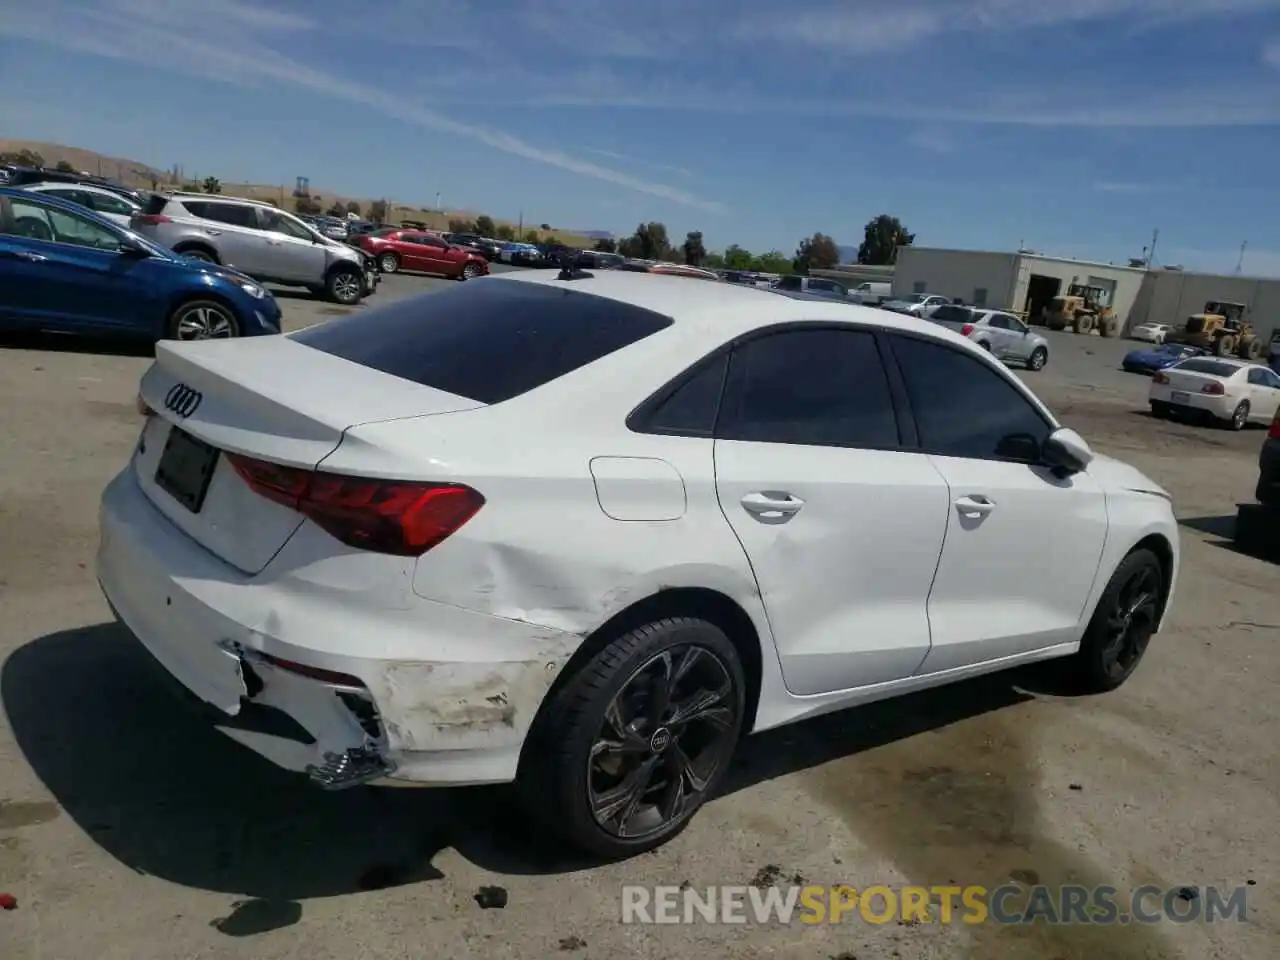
x=1123, y=623
x=662, y=739
x=631, y=743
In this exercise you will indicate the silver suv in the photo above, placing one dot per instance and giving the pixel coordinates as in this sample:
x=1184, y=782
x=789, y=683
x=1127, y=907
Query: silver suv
x=256, y=238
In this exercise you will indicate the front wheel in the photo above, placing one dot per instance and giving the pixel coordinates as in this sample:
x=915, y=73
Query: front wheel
x=469, y=272
x=388, y=263
x=346, y=286
x=638, y=738
x=1039, y=357
x=202, y=320
x=1122, y=625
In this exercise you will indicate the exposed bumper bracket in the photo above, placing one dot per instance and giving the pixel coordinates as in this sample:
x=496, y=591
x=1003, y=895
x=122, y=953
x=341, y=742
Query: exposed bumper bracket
x=350, y=769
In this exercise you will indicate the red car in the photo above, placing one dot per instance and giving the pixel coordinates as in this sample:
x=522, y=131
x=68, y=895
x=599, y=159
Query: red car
x=423, y=252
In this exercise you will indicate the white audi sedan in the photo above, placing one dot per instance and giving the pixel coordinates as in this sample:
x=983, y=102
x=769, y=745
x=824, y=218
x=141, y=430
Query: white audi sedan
x=584, y=532
x=1231, y=392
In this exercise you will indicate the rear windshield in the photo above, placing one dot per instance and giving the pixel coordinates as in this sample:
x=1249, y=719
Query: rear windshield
x=1204, y=365
x=155, y=204
x=487, y=339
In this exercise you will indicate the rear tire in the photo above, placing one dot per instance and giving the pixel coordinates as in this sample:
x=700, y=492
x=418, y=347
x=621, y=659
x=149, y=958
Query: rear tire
x=608, y=719
x=1083, y=324
x=1249, y=349
x=1239, y=416
x=1122, y=625
x=1224, y=346
x=1108, y=327
x=202, y=320
x=198, y=253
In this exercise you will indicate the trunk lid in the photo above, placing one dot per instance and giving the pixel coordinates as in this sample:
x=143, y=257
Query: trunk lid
x=1193, y=374
x=270, y=398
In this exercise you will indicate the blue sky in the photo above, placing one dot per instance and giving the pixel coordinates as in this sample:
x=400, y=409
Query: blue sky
x=1072, y=126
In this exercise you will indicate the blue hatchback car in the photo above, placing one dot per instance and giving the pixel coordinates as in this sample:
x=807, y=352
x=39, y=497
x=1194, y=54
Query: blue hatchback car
x=1150, y=359
x=63, y=268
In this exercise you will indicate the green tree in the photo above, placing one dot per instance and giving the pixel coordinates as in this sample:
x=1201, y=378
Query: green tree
x=462, y=226
x=378, y=211
x=606, y=245
x=882, y=237
x=64, y=167
x=649, y=242
x=22, y=158
x=484, y=225
x=736, y=258
x=211, y=185
x=775, y=261
x=531, y=236
x=693, y=248
x=818, y=252
x=504, y=232
x=336, y=209
x=713, y=260
x=353, y=207
x=544, y=226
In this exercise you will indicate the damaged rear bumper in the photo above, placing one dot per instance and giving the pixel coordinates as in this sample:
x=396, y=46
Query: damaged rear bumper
x=312, y=679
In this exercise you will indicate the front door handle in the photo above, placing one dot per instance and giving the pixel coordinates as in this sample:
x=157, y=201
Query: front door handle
x=772, y=506
x=24, y=255
x=975, y=505
x=214, y=233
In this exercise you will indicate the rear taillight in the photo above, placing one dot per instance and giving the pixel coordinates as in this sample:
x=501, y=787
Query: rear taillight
x=151, y=219
x=144, y=408
x=399, y=517
x=1160, y=377
x=966, y=329
x=1213, y=388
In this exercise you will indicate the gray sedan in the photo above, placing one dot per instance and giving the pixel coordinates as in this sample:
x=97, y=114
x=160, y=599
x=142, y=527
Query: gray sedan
x=1001, y=333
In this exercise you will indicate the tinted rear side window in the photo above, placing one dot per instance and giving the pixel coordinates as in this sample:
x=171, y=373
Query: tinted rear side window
x=487, y=340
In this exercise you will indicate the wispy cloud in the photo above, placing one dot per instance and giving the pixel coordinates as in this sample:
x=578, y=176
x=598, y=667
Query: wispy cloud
x=1255, y=263
x=1271, y=53
x=1119, y=186
x=233, y=48
x=932, y=140
x=623, y=158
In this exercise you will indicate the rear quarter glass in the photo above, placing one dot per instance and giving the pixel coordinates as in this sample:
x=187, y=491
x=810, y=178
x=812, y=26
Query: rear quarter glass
x=488, y=340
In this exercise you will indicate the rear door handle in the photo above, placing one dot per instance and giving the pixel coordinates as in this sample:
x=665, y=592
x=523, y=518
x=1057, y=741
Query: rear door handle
x=975, y=505
x=214, y=233
x=772, y=506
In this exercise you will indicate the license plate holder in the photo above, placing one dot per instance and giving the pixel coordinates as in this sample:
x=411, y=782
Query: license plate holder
x=1180, y=396
x=186, y=468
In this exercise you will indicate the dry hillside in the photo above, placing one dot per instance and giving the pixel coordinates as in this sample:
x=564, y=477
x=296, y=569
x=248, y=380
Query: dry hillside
x=134, y=173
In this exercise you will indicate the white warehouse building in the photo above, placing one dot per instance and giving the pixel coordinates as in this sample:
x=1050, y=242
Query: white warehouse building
x=1026, y=282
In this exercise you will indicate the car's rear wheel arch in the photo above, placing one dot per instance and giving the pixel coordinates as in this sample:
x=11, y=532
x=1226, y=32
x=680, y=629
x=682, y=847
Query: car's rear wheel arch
x=696, y=602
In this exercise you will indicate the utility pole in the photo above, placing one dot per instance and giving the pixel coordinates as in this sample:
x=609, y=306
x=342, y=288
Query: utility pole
x=520, y=229
x=1240, y=262
x=439, y=209
x=1151, y=251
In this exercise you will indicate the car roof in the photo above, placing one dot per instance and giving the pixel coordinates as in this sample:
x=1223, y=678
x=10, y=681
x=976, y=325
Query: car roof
x=732, y=308
x=218, y=198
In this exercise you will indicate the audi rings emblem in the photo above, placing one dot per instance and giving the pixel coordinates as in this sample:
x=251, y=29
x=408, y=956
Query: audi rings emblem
x=182, y=400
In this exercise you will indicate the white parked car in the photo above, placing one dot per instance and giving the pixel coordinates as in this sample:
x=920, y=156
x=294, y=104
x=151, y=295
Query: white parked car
x=915, y=304
x=1233, y=392
x=534, y=538
x=1149, y=332
x=106, y=203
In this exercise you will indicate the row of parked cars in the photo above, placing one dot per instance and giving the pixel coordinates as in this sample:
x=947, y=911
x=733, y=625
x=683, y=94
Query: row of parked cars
x=81, y=254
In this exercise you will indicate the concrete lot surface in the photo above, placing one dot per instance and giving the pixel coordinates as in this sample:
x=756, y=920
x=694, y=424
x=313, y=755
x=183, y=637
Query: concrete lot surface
x=129, y=831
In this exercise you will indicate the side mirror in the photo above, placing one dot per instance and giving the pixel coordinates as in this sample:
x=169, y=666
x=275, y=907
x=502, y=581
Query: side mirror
x=1066, y=451
x=131, y=248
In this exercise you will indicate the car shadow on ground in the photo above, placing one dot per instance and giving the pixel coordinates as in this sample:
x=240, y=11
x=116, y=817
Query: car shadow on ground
x=70, y=343
x=169, y=796
x=1224, y=526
